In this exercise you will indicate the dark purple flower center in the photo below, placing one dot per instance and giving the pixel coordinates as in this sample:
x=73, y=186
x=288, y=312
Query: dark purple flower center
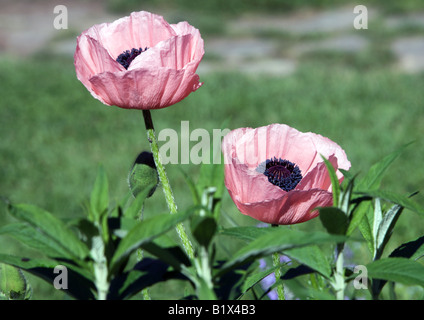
x=126, y=57
x=282, y=173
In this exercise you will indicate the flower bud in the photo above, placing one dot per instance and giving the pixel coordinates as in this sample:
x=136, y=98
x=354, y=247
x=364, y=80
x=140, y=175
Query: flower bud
x=143, y=174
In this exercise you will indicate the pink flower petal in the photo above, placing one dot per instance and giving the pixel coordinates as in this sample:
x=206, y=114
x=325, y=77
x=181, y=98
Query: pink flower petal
x=245, y=152
x=139, y=30
x=144, y=88
x=90, y=59
x=318, y=177
x=294, y=207
x=175, y=53
x=159, y=77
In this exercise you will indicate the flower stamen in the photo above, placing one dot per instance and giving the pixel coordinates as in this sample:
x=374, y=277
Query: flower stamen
x=282, y=173
x=126, y=57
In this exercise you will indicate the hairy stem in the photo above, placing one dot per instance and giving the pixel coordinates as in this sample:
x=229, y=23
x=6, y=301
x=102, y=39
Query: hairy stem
x=280, y=287
x=166, y=187
x=277, y=273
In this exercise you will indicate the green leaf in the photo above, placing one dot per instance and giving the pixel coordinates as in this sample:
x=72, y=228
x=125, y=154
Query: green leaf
x=413, y=250
x=79, y=286
x=401, y=270
x=204, y=230
x=143, y=175
x=386, y=227
x=277, y=240
x=37, y=240
x=212, y=177
x=173, y=256
x=334, y=181
x=358, y=216
x=334, y=220
x=51, y=228
x=13, y=283
x=360, y=219
x=346, y=198
x=144, y=232
x=313, y=257
x=145, y=273
x=307, y=292
x=134, y=210
x=255, y=278
x=395, y=198
x=374, y=176
x=245, y=233
x=377, y=218
x=371, y=181
x=99, y=200
x=192, y=186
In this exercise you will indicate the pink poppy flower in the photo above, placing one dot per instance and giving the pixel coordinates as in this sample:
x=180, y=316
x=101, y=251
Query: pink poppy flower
x=139, y=61
x=275, y=174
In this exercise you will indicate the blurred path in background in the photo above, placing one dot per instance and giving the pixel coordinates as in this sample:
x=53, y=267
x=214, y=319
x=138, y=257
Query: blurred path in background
x=250, y=43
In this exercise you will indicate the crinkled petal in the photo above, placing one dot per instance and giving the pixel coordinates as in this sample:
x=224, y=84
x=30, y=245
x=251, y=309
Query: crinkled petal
x=293, y=207
x=176, y=53
x=139, y=30
x=275, y=140
x=250, y=185
x=328, y=148
x=145, y=88
x=91, y=58
x=159, y=77
x=245, y=151
x=318, y=177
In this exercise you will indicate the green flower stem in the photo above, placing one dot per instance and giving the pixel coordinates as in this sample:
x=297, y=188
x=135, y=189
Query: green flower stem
x=339, y=277
x=165, y=182
x=277, y=273
x=97, y=253
x=145, y=292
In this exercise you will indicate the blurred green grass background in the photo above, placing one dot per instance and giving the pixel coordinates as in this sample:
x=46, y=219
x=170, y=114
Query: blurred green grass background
x=54, y=134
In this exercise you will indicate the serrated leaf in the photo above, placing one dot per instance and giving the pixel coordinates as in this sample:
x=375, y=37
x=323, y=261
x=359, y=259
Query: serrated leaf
x=310, y=256
x=245, y=233
x=313, y=257
x=53, y=229
x=374, y=176
x=395, y=198
x=401, y=270
x=276, y=240
x=37, y=240
x=144, y=232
